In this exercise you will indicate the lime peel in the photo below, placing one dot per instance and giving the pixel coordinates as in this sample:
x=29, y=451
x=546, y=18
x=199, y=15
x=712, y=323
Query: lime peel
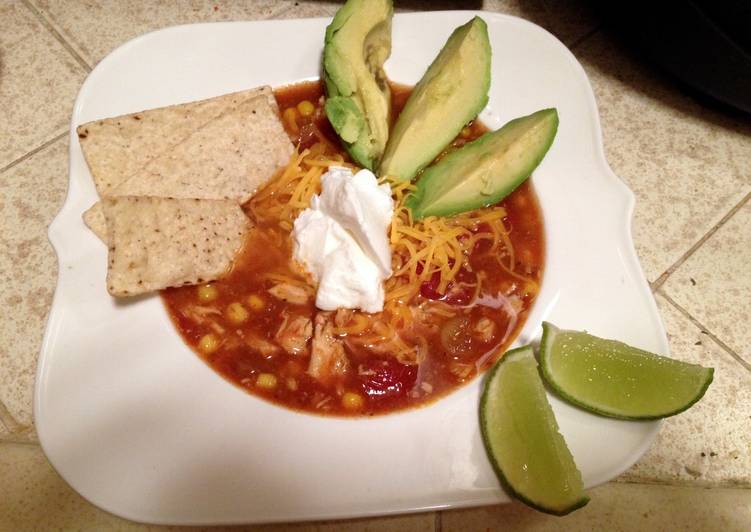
x=613, y=379
x=520, y=434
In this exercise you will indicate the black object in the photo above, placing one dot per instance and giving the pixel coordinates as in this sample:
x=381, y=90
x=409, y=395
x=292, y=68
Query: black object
x=705, y=44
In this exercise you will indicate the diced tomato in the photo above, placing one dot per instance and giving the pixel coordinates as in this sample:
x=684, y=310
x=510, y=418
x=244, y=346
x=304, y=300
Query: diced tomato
x=454, y=295
x=386, y=377
x=429, y=289
x=307, y=136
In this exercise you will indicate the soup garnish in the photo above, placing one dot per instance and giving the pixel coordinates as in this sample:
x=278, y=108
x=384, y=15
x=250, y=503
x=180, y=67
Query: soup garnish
x=460, y=290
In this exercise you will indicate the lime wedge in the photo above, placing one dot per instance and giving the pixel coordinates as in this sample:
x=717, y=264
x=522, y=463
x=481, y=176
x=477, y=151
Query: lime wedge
x=616, y=380
x=521, y=437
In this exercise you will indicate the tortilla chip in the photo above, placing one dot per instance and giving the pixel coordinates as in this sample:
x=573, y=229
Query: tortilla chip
x=227, y=158
x=95, y=220
x=156, y=243
x=115, y=148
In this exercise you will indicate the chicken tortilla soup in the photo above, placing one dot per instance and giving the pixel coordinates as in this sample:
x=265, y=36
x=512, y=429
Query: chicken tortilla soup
x=458, y=291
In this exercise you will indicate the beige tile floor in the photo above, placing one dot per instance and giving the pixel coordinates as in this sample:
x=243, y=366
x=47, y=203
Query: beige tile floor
x=689, y=166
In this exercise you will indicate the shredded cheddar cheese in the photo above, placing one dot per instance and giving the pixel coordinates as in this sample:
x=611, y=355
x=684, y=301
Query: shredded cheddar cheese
x=433, y=250
x=438, y=245
x=289, y=193
x=420, y=249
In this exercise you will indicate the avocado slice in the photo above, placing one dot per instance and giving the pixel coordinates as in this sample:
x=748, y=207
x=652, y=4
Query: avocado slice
x=486, y=170
x=358, y=104
x=450, y=94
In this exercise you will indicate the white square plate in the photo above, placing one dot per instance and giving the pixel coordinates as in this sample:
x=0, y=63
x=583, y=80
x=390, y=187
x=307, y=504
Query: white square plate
x=141, y=427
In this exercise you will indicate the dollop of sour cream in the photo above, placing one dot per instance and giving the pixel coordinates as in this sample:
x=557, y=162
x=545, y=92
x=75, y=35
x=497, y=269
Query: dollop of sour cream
x=342, y=240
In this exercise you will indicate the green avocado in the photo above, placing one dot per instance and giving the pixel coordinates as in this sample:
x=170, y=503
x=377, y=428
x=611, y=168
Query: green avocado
x=358, y=104
x=452, y=92
x=485, y=171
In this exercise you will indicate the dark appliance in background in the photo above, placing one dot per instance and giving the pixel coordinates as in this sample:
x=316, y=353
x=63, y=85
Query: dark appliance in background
x=703, y=43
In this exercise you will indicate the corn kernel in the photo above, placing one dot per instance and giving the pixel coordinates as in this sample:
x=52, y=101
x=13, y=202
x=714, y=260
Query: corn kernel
x=352, y=401
x=306, y=108
x=465, y=133
x=267, y=381
x=290, y=118
x=531, y=288
x=207, y=293
x=256, y=302
x=208, y=343
x=236, y=313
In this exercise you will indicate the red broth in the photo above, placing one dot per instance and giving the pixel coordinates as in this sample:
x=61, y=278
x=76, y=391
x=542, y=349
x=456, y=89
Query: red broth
x=263, y=342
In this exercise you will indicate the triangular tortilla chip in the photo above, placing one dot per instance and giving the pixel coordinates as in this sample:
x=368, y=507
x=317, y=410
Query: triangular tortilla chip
x=156, y=243
x=227, y=158
x=95, y=220
x=115, y=148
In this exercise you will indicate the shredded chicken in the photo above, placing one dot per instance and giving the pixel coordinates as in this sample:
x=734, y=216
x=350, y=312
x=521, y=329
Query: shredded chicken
x=343, y=317
x=363, y=371
x=410, y=356
x=291, y=383
x=290, y=293
x=261, y=345
x=383, y=347
x=294, y=333
x=328, y=358
x=202, y=315
x=321, y=401
x=218, y=329
x=231, y=341
x=460, y=370
x=198, y=312
x=485, y=328
x=424, y=315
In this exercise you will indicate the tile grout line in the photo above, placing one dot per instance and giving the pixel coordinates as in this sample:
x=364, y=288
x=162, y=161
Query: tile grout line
x=8, y=421
x=34, y=151
x=704, y=330
x=282, y=11
x=586, y=36
x=657, y=284
x=18, y=439
x=57, y=35
x=682, y=484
